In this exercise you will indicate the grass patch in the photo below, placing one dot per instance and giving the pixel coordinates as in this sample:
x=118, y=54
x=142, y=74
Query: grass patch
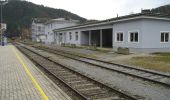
x=153, y=59
x=162, y=54
x=159, y=62
x=103, y=50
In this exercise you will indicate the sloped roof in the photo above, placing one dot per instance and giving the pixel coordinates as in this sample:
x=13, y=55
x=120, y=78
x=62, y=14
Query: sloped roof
x=40, y=20
x=112, y=20
x=61, y=20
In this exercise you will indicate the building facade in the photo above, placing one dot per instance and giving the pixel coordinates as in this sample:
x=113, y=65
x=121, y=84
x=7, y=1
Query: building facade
x=56, y=24
x=143, y=35
x=139, y=32
x=38, y=30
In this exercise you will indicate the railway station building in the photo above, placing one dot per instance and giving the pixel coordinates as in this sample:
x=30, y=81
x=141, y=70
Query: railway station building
x=142, y=32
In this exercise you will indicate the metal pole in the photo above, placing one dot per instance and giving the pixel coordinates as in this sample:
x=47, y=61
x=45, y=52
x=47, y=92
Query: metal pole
x=2, y=3
x=1, y=24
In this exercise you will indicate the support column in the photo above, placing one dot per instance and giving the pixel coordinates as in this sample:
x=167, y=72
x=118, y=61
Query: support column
x=89, y=38
x=101, y=38
x=80, y=37
x=55, y=37
x=1, y=36
x=64, y=37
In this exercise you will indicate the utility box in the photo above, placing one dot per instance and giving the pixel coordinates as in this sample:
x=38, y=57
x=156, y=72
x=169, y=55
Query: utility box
x=123, y=50
x=63, y=44
x=73, y=45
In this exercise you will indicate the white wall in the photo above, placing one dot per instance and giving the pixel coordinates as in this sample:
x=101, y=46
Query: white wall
x=152, y=33
x=38, y=31
x=149, y=35
x=126, y=27
x=73, y=40
x=55, y=25
x=66, y=37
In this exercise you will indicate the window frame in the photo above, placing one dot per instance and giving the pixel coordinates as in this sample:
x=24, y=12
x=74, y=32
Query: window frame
x=76, y=36
x=129, y=37
x=164, y=36
x=70, y=35
x=39, y=28
x=116, y=34
x=51, y=25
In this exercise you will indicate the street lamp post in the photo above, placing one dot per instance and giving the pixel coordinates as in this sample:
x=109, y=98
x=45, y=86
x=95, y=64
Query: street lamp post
x=1, y=24
x=2, y=2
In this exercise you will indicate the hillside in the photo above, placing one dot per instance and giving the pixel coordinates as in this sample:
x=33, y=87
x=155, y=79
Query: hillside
x=18, y=14
x=162, y=9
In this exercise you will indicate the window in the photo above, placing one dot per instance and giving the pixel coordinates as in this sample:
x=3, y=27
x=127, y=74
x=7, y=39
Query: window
x=46, y=37
x=164, y=37
x=76, y=36
x=134, y=37
x=60, y=37
x=119, y=36
x=39, y=28
x=70, y=36
x=51, y=25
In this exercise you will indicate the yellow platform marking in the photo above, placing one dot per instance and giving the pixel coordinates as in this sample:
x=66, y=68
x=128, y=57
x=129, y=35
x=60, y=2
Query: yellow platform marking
x=29, y=73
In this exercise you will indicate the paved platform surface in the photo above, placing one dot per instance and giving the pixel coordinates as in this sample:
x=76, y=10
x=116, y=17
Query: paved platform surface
x=20, y=79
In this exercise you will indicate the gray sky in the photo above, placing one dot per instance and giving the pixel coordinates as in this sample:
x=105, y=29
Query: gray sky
x=102, y=9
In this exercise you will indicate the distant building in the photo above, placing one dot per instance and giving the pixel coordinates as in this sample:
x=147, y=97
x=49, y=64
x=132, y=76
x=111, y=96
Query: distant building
x=56, y=24
x=38, y=29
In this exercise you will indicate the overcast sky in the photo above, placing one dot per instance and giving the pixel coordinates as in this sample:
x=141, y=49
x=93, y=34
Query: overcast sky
x=102, y=9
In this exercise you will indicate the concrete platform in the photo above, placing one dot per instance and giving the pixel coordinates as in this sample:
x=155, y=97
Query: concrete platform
x=20, y=79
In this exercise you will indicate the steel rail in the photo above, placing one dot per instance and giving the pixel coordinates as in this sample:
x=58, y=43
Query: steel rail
x=63, y=53
x=117, y=91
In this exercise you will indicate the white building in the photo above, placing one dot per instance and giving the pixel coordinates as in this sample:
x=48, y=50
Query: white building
x=56, y=24
x=143, y=32
x=38, y=29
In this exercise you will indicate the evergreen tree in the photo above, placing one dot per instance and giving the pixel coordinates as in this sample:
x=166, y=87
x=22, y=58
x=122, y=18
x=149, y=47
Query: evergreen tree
x=18, y=15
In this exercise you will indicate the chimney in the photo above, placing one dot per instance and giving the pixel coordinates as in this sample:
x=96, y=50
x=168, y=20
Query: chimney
x=145, y=11
x=117, y=15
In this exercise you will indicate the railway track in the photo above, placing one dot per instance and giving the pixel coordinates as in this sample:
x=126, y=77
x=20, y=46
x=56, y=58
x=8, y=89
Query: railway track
x=87, y=88
x=127, y=70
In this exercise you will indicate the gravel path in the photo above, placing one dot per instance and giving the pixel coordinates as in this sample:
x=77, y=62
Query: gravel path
x=108, y=55
x=111, y=56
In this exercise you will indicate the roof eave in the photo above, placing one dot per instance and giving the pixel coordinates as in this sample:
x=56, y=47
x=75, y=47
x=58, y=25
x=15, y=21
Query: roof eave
x=111, y=22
